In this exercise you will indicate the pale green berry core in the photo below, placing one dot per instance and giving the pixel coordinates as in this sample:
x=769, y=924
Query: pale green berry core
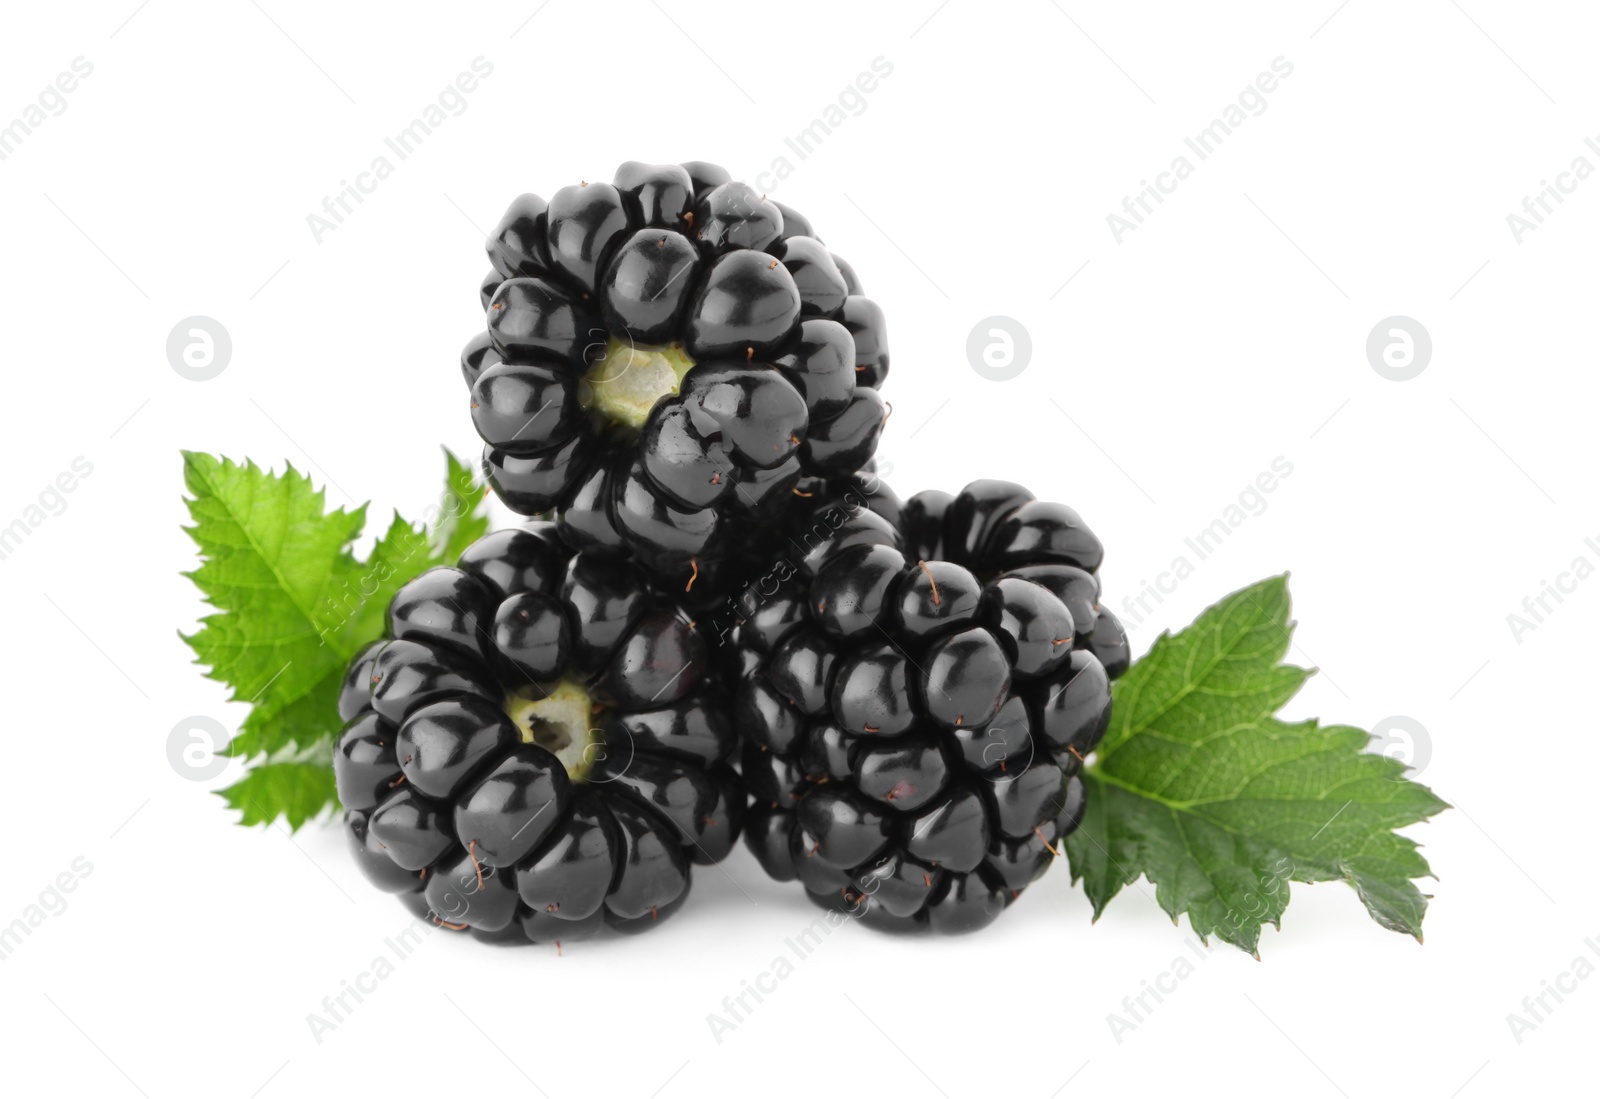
x=561, y=721
x=625, y=383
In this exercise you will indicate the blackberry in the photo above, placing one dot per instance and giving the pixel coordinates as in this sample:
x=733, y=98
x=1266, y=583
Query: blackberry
x=760, y=581
x=667, y=356
x=916, y=705
x=533, y=749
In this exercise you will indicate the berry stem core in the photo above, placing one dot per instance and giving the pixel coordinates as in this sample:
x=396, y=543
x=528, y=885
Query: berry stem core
x=628, y=380
x=559, y=722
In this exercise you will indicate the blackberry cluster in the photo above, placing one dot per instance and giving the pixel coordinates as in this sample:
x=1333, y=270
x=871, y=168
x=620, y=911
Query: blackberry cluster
x=666, y=357
x=916, y=706
x=892, y=702
x=534, y=750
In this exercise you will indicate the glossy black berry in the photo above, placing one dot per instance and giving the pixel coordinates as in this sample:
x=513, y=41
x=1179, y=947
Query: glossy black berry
x=531, y=637
x=747, y=305
x=735, y=216
x=377, y=866
x=464, y=893
x=667, y=358
x=534, y=483
x=571, y=875
x=535, y=319
x=364, y=762
x=705, y=176
x=407, y=675
x=444, y=744
x=917, y=700
x=657, y=195
x=355, y=692
x=821, y=367
x=1035, y=627
x=537, y=751
x=816, y=276
x=872, y=692
x=842, y=827
x=445, y=608
x=525, y=407
x=648, y=284
x=517, y=246
x=509, y=810
x=652, y=870
x=414, y=830
x=586, y=223
x=516, y=560
x=480, y=353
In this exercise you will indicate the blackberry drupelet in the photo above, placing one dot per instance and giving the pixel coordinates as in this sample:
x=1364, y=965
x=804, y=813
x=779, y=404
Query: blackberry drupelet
x=533, y=750
x=666, y=357
x=916, y=704
x=762, y=578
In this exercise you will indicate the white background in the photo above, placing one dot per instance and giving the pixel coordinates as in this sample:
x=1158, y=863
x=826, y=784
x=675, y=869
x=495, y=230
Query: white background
x=1168, y=371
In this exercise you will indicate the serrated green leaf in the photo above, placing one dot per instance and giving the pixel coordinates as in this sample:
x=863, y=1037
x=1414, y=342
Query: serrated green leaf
x=294, y=604
x=277, y=566
x=404, y=551
x=1199, y=788
x=460, y=521
x=296, y=791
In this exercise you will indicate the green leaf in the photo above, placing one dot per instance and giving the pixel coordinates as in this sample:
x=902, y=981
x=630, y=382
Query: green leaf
x=277, y=565
x=460, y=521
x=296, y=791
x=294, y=604
x=1199, y=788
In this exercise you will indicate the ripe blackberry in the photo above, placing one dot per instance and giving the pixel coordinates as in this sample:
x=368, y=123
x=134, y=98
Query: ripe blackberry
x=761, y=581
x=533, y=747
x=666, y=357
x=917, y=703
